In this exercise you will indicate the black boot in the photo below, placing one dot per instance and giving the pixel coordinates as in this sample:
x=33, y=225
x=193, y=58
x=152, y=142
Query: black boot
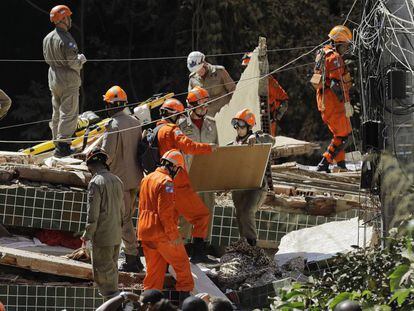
x=182, y=296
x=199, y=252
x=62, y=150
x=341, y=165
x=252, y=242
x=323, y=166
x=131, y=264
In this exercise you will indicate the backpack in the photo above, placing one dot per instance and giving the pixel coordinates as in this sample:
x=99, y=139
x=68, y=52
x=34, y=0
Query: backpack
x=148, y=151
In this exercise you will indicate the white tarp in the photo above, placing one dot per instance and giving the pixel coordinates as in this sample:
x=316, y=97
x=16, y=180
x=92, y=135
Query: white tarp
x=245, y=96
x=323, y=241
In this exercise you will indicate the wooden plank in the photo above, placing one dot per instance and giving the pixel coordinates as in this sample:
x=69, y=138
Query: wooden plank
x=287, y=146
x=230, y=168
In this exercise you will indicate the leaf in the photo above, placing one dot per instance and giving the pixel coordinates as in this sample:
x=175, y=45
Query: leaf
x=294, y=293
x=296, y=305
x=396, y=275
x=400, y=295
x=341, y=297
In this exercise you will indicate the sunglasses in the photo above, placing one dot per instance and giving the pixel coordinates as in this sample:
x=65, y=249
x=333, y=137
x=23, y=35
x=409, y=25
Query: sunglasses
x=238, y=123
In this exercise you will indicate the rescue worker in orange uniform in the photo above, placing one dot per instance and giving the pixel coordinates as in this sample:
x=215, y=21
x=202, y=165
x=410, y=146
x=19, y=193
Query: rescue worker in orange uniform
x=332, y=82
x=158, y=225
x=277, y=98
x=188, y=203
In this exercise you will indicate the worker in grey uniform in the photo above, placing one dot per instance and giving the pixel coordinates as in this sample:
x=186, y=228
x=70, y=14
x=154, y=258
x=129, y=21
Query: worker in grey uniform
x=5, y=103
x=246, y=202
x=61, y=53
x=103, y=224
x=200, y=128
x=214, y=78
x=120, y=142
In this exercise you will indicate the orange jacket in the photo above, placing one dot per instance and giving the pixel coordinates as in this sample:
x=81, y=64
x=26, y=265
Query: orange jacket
x=276, y=94
x=158, y=217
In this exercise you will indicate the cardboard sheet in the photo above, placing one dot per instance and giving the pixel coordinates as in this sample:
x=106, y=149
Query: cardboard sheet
x=230, y=168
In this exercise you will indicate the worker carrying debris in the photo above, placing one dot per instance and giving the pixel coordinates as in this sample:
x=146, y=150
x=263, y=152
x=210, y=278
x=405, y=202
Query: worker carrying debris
x=5, y=103
x=277, y=98
x=157, y=226
x=332, y=82
x=200, y=128
x=213, y=78
x=188, y=203
x=103, y=224
x=246, y=202
x=120, y=142
x=61, y=53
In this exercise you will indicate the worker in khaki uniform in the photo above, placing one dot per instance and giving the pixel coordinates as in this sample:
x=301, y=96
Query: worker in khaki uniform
x=215, y=79
x=246, y=202
x=332, y=82
x=61, y=53
x=200, y=128
x=5, y=103
x=188, y=203
x=104, y=221
x=120, y=142
x=157, y=226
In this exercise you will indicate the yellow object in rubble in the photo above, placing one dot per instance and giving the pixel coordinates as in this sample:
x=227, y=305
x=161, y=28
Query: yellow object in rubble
x=95, y=129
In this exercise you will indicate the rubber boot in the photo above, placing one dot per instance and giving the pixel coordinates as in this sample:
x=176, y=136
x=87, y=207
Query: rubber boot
x=62, y=150
x=182, y=296
x=341, y=165
x=131, y=264
x=252, y=242
x=323, y=166
x=199, y=252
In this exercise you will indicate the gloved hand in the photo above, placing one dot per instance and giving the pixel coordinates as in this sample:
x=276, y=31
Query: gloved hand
x=214, y=147
x=82, y=58
x=251, y=140
x=349, y=110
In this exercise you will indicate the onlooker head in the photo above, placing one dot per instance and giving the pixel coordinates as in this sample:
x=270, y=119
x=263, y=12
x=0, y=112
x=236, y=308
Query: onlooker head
x=150, y=297
x=163, y=305
x=219, y=304
x=193, y=303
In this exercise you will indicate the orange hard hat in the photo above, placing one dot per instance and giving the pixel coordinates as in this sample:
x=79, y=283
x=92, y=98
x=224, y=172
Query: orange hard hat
x=246, y=116
x=59, y=12
x=246, y=58
x=196, y=94
x=175, y=157
x=115, y=94
x=172, y=105
x=340, y=33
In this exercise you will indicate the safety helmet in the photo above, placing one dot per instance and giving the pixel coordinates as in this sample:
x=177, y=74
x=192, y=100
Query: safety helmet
x=246, y=58
x=172, y=105
x=196, y=94
x=115, y=94
x=246, y=116
x=175, y=157
x=59, y=12
x=96, y=155
x=195, y=61
x=340, y=33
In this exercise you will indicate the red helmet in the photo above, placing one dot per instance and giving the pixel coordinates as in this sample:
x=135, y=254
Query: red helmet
x=246, y=116
x=172, y=105
x=115, y=94
x=175, y=157
x=196, y=94
x=59, y=12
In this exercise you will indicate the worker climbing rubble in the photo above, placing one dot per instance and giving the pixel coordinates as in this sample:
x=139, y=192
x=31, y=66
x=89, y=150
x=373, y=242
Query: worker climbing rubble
x=157, y=226
x=200, y=128
x=214, y=78
x=246, y=202
x=277, y=98
x=188, y=203
x=120, y=142
x=103, y=224
x=332, y=82
x=61, y=54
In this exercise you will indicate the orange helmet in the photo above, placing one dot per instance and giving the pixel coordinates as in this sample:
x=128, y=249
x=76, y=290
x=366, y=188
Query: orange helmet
x=175, y=157
x=172, y=105
x=340, y=33
x=59, y=12
x=115, y=94
x=246, y=58
x=196, y=94
x=246, y=116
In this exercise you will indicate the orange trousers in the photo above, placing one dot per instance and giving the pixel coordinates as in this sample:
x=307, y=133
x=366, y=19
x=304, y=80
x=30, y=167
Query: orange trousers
x=273, y=128
x=157, y=256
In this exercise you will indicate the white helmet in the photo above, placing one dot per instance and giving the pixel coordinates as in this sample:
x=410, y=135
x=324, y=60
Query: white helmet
x=195, y=61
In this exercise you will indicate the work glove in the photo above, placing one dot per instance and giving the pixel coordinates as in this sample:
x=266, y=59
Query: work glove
x=82, y=58
x=251, y=140
x=349, y=110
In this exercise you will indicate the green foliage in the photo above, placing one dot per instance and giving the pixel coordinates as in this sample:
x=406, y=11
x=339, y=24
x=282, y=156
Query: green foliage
x=377, y=279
